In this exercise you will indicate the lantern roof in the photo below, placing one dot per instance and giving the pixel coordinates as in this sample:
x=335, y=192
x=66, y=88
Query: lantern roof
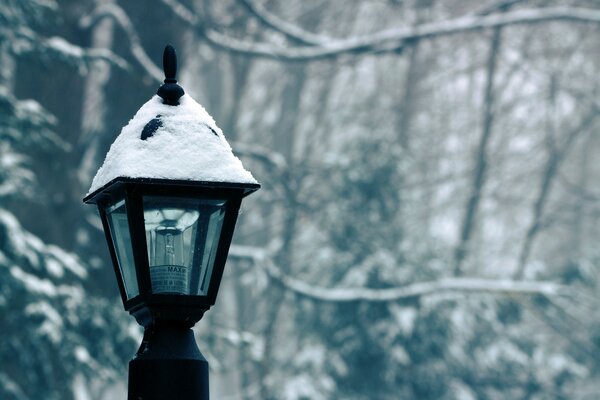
x=174, y=142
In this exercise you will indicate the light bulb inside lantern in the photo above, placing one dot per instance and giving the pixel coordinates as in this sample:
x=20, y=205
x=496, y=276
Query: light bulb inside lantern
x=168, y=246
x=169, y=236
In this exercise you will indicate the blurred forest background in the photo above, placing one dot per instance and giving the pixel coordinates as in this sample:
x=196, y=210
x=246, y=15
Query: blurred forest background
x=429, y=221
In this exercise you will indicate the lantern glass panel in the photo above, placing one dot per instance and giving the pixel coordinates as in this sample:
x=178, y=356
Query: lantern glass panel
x=119, y=232
x=182, y=236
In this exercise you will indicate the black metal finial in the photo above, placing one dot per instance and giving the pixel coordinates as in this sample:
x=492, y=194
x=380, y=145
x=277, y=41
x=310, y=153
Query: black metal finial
x=170, y=91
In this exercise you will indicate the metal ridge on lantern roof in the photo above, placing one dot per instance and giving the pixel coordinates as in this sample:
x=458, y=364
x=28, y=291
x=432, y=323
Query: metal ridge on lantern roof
x=247, y=187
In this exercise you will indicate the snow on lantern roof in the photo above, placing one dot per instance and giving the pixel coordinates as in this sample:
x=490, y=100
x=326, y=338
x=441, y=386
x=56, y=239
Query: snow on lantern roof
x=178, y=142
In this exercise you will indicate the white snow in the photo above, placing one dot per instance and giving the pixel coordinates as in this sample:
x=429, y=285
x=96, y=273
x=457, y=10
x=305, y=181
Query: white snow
x=67, y=260
x=82, y=355
x=80, y=388
x=183, y=148
x=34, y=284
x=52, y=326
x=62, y=46
x=54, y=268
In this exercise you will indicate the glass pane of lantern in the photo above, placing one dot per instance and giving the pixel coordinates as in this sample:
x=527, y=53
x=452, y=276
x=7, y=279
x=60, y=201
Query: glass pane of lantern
x=182, y=236
x=119, y=231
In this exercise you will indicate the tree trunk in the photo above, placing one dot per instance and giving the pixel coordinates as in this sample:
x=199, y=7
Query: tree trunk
x=557, y=153
x=93, y=116
x=7, y=71
x=284, y=143
x=480, y=171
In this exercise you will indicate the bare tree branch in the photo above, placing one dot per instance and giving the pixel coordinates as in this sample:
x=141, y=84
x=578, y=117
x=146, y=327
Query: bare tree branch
x=415, y=290
x=271, y=158
x=555, y=319
x=553, y=163
x=135, y=44
x=290, y=30
x=498, y=6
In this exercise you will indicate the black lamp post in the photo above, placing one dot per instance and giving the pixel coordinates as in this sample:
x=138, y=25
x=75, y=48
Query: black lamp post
x=169, y=234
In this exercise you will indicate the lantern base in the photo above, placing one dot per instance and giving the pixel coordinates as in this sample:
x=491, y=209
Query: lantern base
x=174, y=314
x=168, y=365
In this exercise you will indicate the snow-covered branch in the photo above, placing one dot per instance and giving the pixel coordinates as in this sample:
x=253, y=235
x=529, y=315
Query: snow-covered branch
x=315, y=47
x=290, y=30
x=419, y=289
x=267, y=156
x=300, y=35
x=135, y=43
x=67, y=50
x=387, y=40
x=182, y=12
x=414, y=290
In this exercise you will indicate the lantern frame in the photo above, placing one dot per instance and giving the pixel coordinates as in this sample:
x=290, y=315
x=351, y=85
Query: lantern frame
x=148, y=307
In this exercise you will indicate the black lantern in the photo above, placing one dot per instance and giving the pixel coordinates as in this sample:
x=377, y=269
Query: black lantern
x=168, y=240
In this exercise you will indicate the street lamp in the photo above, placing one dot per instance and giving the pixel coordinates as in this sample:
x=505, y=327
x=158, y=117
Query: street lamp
x=168, y=195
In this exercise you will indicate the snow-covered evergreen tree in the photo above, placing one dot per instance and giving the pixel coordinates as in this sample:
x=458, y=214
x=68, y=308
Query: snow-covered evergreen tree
x=58, y=338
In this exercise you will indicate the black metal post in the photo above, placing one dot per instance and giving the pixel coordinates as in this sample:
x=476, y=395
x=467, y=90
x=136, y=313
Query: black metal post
x=168, y=365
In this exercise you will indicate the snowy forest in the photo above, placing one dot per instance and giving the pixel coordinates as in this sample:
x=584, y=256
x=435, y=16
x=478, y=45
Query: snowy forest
x=428, y=223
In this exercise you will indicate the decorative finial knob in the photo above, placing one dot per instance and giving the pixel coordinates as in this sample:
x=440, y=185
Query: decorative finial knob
x=170, y=91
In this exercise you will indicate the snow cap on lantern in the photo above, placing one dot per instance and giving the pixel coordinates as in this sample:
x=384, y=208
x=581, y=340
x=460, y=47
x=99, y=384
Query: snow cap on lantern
x=178, y=142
